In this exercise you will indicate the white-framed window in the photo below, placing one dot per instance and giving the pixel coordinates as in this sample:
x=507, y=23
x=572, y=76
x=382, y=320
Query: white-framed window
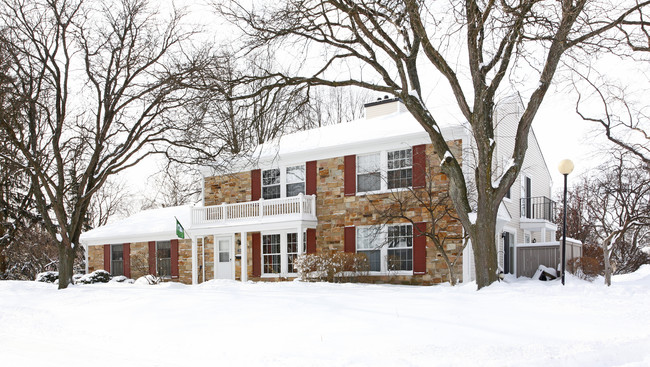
x=388, y=248
x=400, y=247
x=271, y=183
x=295, y=177
x=369, y=172
x=164, y=258
x=283, y=181
x=279, y=251
x=399, y=168
x=271, y=254
x=117, y=260
x=386, y=170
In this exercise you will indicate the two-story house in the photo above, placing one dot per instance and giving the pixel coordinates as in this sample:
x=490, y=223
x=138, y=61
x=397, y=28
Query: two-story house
x=325, y=189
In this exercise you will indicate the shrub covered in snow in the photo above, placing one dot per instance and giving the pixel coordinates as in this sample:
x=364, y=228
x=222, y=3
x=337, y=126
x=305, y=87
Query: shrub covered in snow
x=97, y=276
x=122, y=279
x=148, y=280
x=584, y=267
x=47, y=277
x=332, y=266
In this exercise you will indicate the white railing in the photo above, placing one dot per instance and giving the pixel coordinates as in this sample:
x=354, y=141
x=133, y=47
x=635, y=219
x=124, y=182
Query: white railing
x=301, y=204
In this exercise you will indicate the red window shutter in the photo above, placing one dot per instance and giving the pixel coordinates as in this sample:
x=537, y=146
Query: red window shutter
x=311, y=241
x=257, y=255
x=152, y=257
x=174, y=259
x=107, y=258
x=419, y=166
x=350, y=239
x=419, y=249
x=310, y=185
x=256, y=184
x=350, y=175
x=127, y=259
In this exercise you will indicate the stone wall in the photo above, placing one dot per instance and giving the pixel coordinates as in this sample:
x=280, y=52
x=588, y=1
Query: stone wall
x=335, y=211
x=139, y=258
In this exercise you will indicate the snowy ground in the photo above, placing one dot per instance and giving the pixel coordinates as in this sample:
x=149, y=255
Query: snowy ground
x=308, y=324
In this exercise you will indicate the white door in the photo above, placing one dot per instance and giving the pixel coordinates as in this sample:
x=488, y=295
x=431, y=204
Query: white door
x=224, y=259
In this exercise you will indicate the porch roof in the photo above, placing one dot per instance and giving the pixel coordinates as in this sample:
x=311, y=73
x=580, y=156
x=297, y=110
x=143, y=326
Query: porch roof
x=147, y=225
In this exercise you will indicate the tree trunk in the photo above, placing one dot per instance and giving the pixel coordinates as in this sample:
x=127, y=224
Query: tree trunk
x=608, y=265
x=485, y=251
x=66, y=264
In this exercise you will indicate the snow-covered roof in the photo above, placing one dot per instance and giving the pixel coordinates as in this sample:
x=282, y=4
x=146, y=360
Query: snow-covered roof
x=344, y=138
x=147, y=225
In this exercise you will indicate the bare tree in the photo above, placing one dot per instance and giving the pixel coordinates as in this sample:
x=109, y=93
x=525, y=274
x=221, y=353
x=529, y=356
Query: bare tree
x=328, y=106
x=399, y=47
x=618, y=209
x=176, y=185
x=443, y=227
x=623, y=118
x=97, y=85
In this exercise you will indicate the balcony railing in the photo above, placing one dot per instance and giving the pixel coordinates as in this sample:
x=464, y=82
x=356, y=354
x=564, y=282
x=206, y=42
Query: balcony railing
x=216, y=214
x=539, y=207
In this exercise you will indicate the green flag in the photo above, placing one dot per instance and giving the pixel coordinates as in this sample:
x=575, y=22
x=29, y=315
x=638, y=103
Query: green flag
x=180, y=231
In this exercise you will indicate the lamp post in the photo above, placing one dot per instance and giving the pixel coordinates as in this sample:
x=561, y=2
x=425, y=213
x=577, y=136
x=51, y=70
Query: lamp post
x=565, y=167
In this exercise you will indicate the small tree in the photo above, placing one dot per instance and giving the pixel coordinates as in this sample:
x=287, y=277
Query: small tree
x=442, y=227
x=618, y=209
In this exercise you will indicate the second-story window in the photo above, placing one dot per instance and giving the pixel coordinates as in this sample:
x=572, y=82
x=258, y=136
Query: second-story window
x=400, y=168
x=295, y=180
x=368, y=172
x=271, y=183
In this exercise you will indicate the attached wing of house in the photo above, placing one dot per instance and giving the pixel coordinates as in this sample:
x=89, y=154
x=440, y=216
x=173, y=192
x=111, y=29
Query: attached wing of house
x=318, y=191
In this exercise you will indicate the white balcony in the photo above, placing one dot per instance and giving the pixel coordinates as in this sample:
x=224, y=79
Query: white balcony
x=296, y=208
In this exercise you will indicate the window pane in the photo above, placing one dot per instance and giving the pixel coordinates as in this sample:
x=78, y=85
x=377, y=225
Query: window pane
x=117, y=260
x=368, y=163
x=400, y=236
x=271, y=192
x=400, y=259
x=295, y=189
x=271, y=177
x=163, y=258
x=400, y=178
x=368, y=238
x=292, y=251
x=369, y=182
x=374, y=259
x=295, y=174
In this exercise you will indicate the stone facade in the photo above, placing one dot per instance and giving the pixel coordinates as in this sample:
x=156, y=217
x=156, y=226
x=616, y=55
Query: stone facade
x=139, y=260
x=335, y=211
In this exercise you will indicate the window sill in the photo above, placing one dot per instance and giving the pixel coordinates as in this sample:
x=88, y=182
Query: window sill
x=386, y=191
x=390, y=273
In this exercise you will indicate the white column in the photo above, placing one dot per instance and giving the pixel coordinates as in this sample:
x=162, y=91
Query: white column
x=195, y=262
x=244, y=257
x=543, y=234
x=300, y=239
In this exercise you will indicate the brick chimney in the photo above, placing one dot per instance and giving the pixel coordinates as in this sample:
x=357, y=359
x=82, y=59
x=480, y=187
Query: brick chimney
x=384, y=106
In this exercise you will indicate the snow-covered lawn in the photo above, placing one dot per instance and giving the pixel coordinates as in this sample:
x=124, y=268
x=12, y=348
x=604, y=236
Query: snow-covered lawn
x=523, y=323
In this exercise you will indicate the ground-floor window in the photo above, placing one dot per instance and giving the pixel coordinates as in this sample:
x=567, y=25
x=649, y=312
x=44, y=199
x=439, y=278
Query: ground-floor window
x=117, y=260
x=164, y=258
x=279, y=252
x=388, y=248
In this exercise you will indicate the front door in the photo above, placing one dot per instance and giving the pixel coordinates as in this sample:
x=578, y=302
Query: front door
x=224, y=258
